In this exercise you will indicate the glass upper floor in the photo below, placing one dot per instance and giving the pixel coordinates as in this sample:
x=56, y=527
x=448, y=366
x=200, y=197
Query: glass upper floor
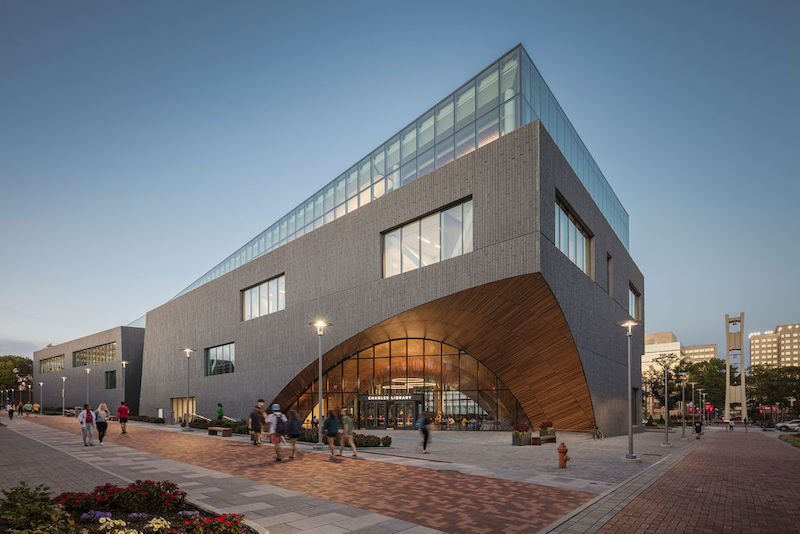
x=506, y=95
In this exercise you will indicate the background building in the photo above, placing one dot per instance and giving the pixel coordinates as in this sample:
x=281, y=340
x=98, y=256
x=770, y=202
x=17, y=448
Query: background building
x=699, y=353
x=778, y=348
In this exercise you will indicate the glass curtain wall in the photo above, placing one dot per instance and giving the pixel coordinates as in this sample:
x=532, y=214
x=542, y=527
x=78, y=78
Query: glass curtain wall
x=506, y=95
x=459, y=391
x=100, y=353
x=48, y=365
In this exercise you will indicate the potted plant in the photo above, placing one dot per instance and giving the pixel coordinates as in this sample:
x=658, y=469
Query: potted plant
x=546, y=429
x=521, y=435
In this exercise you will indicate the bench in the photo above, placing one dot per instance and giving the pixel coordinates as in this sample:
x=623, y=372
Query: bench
x=536, y=440
x=226, y=432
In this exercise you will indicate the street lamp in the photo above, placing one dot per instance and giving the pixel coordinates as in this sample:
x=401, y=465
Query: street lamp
x=694, y=407
x=705, y=418
x=124, y=365
x=63, y=383
x=188, y=353
x=629, y=324
x=88, y=371
x=665, y=359
x=41, y=386
x=320, y=325
x=684, y=377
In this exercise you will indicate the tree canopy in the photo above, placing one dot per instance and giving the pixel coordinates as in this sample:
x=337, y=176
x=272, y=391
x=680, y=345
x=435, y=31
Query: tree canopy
x=15, y=371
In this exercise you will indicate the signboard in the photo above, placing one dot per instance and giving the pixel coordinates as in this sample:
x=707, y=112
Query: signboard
x=388, y=397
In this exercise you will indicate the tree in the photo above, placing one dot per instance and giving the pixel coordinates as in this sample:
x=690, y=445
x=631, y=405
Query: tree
x=772, y=385
x=16, y=372
x=653, y=383
x=710, y=376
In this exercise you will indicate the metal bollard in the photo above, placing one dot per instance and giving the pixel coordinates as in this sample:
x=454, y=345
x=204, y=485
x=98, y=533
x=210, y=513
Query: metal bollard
x=562, y=456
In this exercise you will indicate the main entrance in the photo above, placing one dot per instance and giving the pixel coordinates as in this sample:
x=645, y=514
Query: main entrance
x=389, y=411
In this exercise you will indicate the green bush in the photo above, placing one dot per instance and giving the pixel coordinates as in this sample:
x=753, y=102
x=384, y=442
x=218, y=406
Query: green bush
x=791, y=439
x=386, y=441
x=27, y=509
x=155, y=497
x=147, y=419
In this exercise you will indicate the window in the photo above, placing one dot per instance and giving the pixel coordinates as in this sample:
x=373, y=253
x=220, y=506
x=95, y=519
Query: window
x=571, y=237
x=431, y=239
x=111, y=380
x=100, y=353
x=220, y=360
x=267, y=297
x=48, y=365
x=634, y=304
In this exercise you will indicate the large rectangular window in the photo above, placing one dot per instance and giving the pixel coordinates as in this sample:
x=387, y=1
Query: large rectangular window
x=431, y=239
x=634, y=303
x=220, y=359
x=267, y=297
x=111, y=380
x=93, y=355
x=571, y=237
x=48, y=365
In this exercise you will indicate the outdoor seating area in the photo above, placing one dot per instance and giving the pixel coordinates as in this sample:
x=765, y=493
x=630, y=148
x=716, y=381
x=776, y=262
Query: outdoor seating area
x=226, y=431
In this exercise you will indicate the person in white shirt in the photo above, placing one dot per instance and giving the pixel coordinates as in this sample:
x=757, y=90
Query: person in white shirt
x=100, y=417
x=276, y=422
x=87, y=420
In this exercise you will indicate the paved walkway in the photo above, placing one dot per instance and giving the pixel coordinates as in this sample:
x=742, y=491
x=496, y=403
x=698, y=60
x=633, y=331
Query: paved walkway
x=733, y=482
x=327, y=494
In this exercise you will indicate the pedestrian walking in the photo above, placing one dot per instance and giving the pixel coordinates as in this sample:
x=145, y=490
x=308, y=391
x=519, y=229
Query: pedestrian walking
x=20, y=408
x=331, y=429
x=219, y=411
x=347, y=433
x=10, y=411
x=86, y=419
x=731, y=424
x=295, y=429
x=101, y=418
x=28, y=409
x=277, y=428
x=423, y=425
x=698, y=428
x=314, y=422
x=256, y=422
x=36, y=407
x=123, y=412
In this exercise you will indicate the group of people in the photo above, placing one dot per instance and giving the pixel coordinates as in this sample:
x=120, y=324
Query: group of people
x=278, y=427
x=20, y=409
x=92, y=420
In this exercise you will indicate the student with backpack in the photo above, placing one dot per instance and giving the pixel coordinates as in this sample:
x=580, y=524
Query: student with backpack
x=86, y=419
x=295, y=429
x=331, y=429
x=277, y=429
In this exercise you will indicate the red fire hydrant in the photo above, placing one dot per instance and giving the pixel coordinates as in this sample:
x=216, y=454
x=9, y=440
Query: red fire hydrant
x=562, y=456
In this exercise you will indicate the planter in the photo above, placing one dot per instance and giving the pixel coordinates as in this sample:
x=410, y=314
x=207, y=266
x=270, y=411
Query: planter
x=521, y=438
x=547, y=432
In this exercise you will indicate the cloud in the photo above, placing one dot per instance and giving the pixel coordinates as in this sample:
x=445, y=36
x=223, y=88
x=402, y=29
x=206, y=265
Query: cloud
x=18, y=347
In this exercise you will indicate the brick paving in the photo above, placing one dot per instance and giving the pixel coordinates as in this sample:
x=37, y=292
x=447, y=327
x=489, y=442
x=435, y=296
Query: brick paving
x=448, y=501
x=733, y=482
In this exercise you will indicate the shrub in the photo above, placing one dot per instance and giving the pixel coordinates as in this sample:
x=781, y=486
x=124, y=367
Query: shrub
x=386, y=441
x=546, y=425
x=147, y=419
x=521, y=428
x=137, y=496
x=31, y=509
x=791, y=439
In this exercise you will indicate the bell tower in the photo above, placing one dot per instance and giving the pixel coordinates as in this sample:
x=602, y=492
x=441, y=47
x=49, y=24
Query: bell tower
x=734, y=328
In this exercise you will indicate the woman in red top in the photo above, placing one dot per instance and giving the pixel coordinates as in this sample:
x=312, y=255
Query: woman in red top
x=123, y=412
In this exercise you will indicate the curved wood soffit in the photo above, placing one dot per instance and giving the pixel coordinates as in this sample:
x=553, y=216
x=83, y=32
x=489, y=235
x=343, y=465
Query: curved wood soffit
x=514, y=326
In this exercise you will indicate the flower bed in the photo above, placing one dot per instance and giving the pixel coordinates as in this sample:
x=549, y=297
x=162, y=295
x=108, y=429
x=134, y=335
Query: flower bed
x=141, y=507
x=791, y=439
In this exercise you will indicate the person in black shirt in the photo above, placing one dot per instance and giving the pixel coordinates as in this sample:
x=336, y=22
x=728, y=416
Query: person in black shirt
x=257, y=422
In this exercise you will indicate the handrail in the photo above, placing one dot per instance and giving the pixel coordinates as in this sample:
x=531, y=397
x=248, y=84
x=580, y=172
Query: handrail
x=200, y=417
x=231, y=419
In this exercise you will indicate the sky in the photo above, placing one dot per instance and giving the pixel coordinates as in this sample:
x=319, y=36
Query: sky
x=143, y=142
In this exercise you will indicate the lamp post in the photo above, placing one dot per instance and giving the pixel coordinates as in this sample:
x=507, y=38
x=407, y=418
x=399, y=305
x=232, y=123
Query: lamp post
x=694, y=407
x=63, y=383
x=705, y=417
x=124, y=365
x=88, y=371
x=665, y=359
x=188, y=353
x=41, y=387
x=628, y=325
x=684, y=377
x=320, y=324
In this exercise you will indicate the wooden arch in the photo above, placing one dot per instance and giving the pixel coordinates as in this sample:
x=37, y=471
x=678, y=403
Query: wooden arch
x=514, y=326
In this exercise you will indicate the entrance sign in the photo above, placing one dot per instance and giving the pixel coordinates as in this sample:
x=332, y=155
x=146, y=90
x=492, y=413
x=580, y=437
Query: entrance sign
x=388, y=397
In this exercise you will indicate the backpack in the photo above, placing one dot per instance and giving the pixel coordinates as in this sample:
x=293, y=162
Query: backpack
x=280, y=424
x=420, y=424
x=89, y=417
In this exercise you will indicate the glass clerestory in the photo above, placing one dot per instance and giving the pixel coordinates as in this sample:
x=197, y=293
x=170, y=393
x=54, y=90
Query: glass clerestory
x=390, y=384
x=93, y=355
x=508, y=94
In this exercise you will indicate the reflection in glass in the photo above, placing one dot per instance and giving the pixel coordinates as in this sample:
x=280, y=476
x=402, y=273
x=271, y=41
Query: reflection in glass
x=410, y=247
x=439, y=378
x=451, y=232
x=465, y=141
x=444, y=119
x=391, y=253
x=429, y=240
x=487, y=90
x=465, y=105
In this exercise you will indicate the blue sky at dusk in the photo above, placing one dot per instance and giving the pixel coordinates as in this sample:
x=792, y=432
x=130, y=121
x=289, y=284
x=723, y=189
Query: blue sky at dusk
x=143, y=142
